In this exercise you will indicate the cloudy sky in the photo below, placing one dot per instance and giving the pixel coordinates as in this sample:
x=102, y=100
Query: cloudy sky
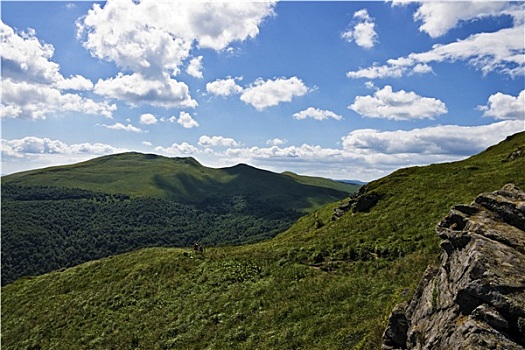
x=346, y=90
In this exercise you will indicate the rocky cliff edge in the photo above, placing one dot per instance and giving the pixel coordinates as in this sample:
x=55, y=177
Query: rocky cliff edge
x=475, y=299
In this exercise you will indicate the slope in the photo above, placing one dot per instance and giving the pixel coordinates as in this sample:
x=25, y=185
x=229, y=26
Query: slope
x=184, y=180
x=63, y=216
x=322, y=284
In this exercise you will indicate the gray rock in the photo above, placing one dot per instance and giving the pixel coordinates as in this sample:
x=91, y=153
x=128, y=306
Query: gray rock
x=476, y=298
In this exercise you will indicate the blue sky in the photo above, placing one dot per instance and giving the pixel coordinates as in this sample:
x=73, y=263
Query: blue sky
x=345, y=90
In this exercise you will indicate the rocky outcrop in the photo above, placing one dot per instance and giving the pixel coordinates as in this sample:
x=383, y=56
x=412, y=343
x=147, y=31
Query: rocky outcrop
x=475, y=299
x=357, y=203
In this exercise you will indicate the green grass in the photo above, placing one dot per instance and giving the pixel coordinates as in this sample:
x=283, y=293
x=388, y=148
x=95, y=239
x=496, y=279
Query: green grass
x=328, y=286
x=185, y=180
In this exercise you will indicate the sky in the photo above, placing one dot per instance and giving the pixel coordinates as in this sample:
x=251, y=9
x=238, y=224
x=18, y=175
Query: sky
x=343, y=90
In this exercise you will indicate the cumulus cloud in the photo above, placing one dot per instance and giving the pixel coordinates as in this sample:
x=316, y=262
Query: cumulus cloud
x=136, y=89
x=440, y=17
x=317, y=114
x=37, y=101
x=122, y=127
x=503, y=106
x=224, y=87
x=397, y=105
x=77, y=82
x=147, y=119
x=187, y=121
x=217, y=141
x=195, y=67
x=26, y=58
x=32, y=145
x=35, y=152
x=263, y=94
x=363, y=32
x=431, y=143
x=32, y=84
x=276, y=142
x=177, y=149
x=500, y=51
x=154, y=47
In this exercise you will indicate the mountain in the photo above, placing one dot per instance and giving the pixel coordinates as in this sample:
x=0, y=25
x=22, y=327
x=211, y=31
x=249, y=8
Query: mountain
x=63, y=216
x=325, y=283
x=185, y=180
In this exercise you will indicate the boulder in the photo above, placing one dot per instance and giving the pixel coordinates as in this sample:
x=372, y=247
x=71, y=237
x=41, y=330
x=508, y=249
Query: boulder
x=475, y=298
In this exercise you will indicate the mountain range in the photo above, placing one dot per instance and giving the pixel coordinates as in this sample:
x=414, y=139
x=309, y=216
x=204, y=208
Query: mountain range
x=327, y=282
x=63, y=216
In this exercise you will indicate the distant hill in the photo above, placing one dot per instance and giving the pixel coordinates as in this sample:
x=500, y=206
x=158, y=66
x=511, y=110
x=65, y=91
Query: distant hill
x=324, y=283
x=353, y=182
x=63, y=216
x=185, y=180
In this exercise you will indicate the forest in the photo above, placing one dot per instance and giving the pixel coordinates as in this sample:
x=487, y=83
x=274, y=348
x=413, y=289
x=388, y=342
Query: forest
x=46, y=228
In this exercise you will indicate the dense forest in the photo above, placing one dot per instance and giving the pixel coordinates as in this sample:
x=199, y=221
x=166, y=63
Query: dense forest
x=47, y=228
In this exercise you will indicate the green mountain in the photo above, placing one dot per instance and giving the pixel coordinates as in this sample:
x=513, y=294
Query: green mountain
x=63, y=216
x=185, y=180
x=323, y=284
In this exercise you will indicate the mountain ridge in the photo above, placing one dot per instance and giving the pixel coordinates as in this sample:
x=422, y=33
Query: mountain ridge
x=321, y=284
x=182, y=179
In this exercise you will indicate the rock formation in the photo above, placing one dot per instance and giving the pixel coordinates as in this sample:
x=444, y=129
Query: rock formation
x=358, y=203
x=475, y=299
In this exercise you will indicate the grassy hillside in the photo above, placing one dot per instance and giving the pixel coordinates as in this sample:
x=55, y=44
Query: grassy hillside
x=184, y=180
x=63, y=216
x=322, y=284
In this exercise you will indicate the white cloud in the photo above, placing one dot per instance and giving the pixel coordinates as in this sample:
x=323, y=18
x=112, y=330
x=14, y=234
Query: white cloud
x=317, y=114
x=122, y=127
x=26, y=58
x=147, y=143
x=375, y=72
x=32, y=145
x=177, y=149
x=224, y=87
x=369, y=154
x=195, y=67
x=32, y=83
x=37, y=101
x=426, y=145
x=136, y=89
x=502, y=106
x=147, y=119
x=500, y=51
x=363, y=33
x=397, y=105
x=276, y=142
x=440, y=17
x=187, y=121
x=217, y=141
x=262, y=94
x=152, y=46
x=77, y=82
x=35, y=152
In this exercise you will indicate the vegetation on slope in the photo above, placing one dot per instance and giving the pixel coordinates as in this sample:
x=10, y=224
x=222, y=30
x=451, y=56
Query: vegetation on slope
x=185, y=180
x=62, y=216
x=48, y=228
x=322, y=284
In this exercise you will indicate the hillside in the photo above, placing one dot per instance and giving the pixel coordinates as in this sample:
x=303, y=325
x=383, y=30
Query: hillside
x=185, y=180
x=323, y=284
x=63, y=216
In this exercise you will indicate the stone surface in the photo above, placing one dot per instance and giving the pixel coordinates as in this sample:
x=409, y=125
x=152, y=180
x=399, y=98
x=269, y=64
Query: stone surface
x=358, y=203
x=475, y=299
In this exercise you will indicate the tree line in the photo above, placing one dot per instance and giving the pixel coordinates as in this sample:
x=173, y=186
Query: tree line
x=45, y=228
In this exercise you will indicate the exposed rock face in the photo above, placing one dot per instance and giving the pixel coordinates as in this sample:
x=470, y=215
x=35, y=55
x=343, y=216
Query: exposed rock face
x=476, y=298
x=358, y=203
